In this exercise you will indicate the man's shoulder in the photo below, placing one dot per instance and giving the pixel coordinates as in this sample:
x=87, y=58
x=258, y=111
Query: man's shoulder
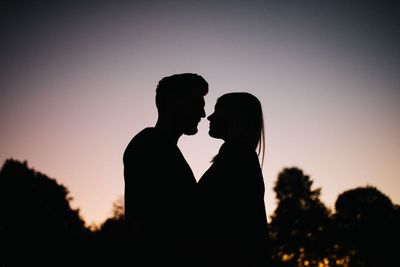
x=147, y=140
x=140, y=141
x=147, y=134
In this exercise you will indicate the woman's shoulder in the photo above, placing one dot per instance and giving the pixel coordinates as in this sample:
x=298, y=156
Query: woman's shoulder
x=236, y=151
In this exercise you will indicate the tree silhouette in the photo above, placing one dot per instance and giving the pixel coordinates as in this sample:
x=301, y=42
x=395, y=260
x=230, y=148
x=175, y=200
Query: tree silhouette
x=301, y=224
x=367, y=227
x=37, y=222
x=112, y=238
x=38, y=227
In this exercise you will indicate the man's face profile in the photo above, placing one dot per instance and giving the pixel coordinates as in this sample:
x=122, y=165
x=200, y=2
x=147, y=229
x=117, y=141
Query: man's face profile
x=191, y=111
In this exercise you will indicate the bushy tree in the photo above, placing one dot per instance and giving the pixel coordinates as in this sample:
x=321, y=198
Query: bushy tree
x=37, y=223
x=300, y=225
x=112, y=238
x=367, y=227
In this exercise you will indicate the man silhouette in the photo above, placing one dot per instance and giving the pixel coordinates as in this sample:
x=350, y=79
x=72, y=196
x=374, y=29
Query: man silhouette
x=160, y=188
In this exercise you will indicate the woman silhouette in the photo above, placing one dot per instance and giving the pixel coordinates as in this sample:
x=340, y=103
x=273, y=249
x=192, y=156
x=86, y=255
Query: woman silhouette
x=233, y=217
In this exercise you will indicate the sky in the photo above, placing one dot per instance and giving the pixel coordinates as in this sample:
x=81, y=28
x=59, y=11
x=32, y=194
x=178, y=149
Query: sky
x=78, y=79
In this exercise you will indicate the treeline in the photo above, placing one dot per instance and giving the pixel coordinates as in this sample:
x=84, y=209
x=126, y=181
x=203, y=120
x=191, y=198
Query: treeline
x=38, y=227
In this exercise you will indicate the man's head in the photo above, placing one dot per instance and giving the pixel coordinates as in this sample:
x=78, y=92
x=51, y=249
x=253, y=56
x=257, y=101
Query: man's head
x=180, y=101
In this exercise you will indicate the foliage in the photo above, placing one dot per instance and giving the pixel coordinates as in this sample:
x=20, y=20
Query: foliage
x=38, y=223
x=301, y=224
x=36, y=216
x=363, y=231
x=367, y=227
x=111, y=239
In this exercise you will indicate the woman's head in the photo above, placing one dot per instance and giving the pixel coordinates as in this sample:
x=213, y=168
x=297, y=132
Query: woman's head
x=238, y=117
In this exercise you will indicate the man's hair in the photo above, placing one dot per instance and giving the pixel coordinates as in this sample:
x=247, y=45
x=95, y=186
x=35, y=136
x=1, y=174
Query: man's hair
x=178, y=85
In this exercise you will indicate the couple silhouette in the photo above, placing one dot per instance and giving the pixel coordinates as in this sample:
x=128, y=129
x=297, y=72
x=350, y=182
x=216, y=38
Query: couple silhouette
x=173, y=220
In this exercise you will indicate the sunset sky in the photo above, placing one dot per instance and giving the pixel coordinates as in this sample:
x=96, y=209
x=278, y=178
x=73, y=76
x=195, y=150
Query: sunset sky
x=78, y=78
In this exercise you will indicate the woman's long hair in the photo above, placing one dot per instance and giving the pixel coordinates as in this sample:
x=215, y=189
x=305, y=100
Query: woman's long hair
x=246, y=119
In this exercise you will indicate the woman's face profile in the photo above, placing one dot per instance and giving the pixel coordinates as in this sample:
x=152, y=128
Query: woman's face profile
x=219, y=120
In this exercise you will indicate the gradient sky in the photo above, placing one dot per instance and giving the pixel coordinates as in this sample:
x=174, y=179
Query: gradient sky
x=78, y=81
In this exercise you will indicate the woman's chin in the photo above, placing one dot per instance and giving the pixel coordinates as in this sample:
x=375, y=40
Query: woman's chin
x=213, y=135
